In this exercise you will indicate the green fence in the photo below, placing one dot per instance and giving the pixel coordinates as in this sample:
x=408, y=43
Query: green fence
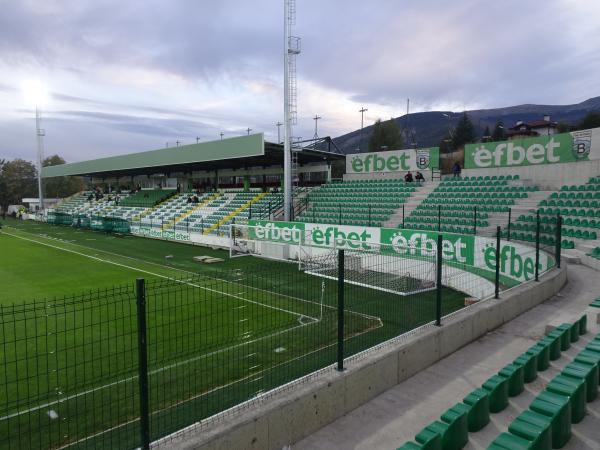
x=122, y=367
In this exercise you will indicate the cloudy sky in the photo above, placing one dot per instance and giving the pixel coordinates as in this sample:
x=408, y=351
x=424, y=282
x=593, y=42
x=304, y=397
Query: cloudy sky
x=132, y=75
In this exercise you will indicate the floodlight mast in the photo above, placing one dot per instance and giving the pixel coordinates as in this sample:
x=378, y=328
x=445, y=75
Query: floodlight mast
x=40, y=155
x=291, y=48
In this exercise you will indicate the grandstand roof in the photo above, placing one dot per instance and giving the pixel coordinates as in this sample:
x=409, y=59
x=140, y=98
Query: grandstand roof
x=232, y=153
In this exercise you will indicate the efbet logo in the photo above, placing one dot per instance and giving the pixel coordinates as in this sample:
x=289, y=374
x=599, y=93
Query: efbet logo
x=420, y=244
x=336, y=237
x=290, y=234
x=512, y=264
x=375, y=163
x=509, y=154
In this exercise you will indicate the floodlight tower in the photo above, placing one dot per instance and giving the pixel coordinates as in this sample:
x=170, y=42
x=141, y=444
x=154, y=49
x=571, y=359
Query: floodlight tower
x=40, y=133
x=291, y=45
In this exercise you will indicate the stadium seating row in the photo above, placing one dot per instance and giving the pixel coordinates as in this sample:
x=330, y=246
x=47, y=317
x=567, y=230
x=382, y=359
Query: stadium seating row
x=547, y=422
x=357, y=202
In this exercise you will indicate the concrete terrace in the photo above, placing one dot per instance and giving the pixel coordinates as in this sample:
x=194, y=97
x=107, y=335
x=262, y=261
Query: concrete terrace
x=398, y=414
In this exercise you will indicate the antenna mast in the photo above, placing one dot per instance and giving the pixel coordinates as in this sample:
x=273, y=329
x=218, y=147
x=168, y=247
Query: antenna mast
x=290, y=94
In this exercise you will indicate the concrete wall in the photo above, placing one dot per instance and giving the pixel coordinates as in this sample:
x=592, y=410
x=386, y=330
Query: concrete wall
x=295, y=413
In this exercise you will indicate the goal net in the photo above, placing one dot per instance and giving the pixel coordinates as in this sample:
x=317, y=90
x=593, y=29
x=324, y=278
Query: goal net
x=374, y=269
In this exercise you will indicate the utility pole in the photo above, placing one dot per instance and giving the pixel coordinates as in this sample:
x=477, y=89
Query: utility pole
x=177, y=142
x=278, y=125
x=221, y=134
x=249, y=130
x=316, y=119
x=40, y=133
x=197, y=139
x=362, y=116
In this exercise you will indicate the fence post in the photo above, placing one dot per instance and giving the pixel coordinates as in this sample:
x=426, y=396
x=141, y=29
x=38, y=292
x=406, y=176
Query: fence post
x=439, y=217
x=537, y=245
x=475, y=220
x=497, y=280
x=402, y=215
x=438, y=299
x=509, y=219
x=250, y=212
x=558, y=247
x=340, y=349
x=143, y=364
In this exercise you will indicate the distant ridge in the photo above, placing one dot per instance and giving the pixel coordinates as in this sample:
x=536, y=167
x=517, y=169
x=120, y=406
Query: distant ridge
x=429, y=128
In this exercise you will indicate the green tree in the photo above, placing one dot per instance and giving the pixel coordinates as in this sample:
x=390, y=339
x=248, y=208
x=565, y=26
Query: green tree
x=591, y=120
x=18, y=179
x=464, y=133
x=386, y=135
x=446, y=144
x=486, y=133
x=499, y=133
x=60, y=187
x=563, y=127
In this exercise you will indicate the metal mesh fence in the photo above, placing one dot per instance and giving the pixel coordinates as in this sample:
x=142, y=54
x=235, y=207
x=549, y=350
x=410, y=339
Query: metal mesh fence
x=122, y=367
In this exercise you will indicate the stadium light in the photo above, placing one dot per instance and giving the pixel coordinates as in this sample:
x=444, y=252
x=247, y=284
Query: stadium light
x=36, y=94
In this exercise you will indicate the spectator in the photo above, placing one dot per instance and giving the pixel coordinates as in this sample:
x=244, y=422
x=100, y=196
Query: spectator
x=408, y=177
x=178, y=188
x=419, y=177
x=456, y=170
x=189, y=200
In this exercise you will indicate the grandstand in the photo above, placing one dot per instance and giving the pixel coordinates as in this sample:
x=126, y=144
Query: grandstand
x=414, y=255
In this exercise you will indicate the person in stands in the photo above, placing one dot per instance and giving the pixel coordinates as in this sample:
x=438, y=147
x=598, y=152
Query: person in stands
x=408, y=177
x=419, y=177
x=456, y=170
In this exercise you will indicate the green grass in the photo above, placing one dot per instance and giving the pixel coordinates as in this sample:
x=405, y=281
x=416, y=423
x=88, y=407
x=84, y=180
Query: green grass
x=217, y=335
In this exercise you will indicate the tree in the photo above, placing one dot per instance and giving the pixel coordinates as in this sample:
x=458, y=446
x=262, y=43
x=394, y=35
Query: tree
x=59, y=187
x=486, y=133
x=386, y=135
x=446, y=144
x=18, y=179
x=464, y=133
x=591, y=120
x=563, y=127
x=499, y=133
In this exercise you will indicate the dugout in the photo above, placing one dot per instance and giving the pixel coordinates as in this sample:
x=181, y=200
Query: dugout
x=239, y=162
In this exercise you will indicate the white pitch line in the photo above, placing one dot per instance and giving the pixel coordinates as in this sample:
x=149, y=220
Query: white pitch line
x=163, y=276
x=151, y=372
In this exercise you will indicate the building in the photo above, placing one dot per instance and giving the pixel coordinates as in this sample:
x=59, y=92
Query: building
x=544, y=127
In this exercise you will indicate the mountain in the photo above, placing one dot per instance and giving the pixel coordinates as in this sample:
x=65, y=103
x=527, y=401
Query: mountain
x=427, y=129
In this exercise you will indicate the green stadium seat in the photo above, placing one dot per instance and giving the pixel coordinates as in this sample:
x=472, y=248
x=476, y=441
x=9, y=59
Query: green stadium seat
x=497, y=388
x=429, y=439
x=508, y=441
x=529, y=363
x=479, y=409
x=534, y=427
x=515, y=377
x=587, y=371
x=574, y=389
x=558, y=409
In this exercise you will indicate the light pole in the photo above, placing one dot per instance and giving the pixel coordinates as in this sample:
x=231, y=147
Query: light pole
x=36, y=94
x=40, y=133
x=278, y=125
x=362, y=116
x=221, y=134
x=248, y=130
x=316, y=119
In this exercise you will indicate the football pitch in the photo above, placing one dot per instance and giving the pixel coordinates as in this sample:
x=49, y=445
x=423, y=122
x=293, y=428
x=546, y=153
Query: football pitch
x=218, y=335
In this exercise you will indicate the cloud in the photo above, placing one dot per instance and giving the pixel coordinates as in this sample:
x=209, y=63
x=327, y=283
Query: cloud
x=136, y=73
